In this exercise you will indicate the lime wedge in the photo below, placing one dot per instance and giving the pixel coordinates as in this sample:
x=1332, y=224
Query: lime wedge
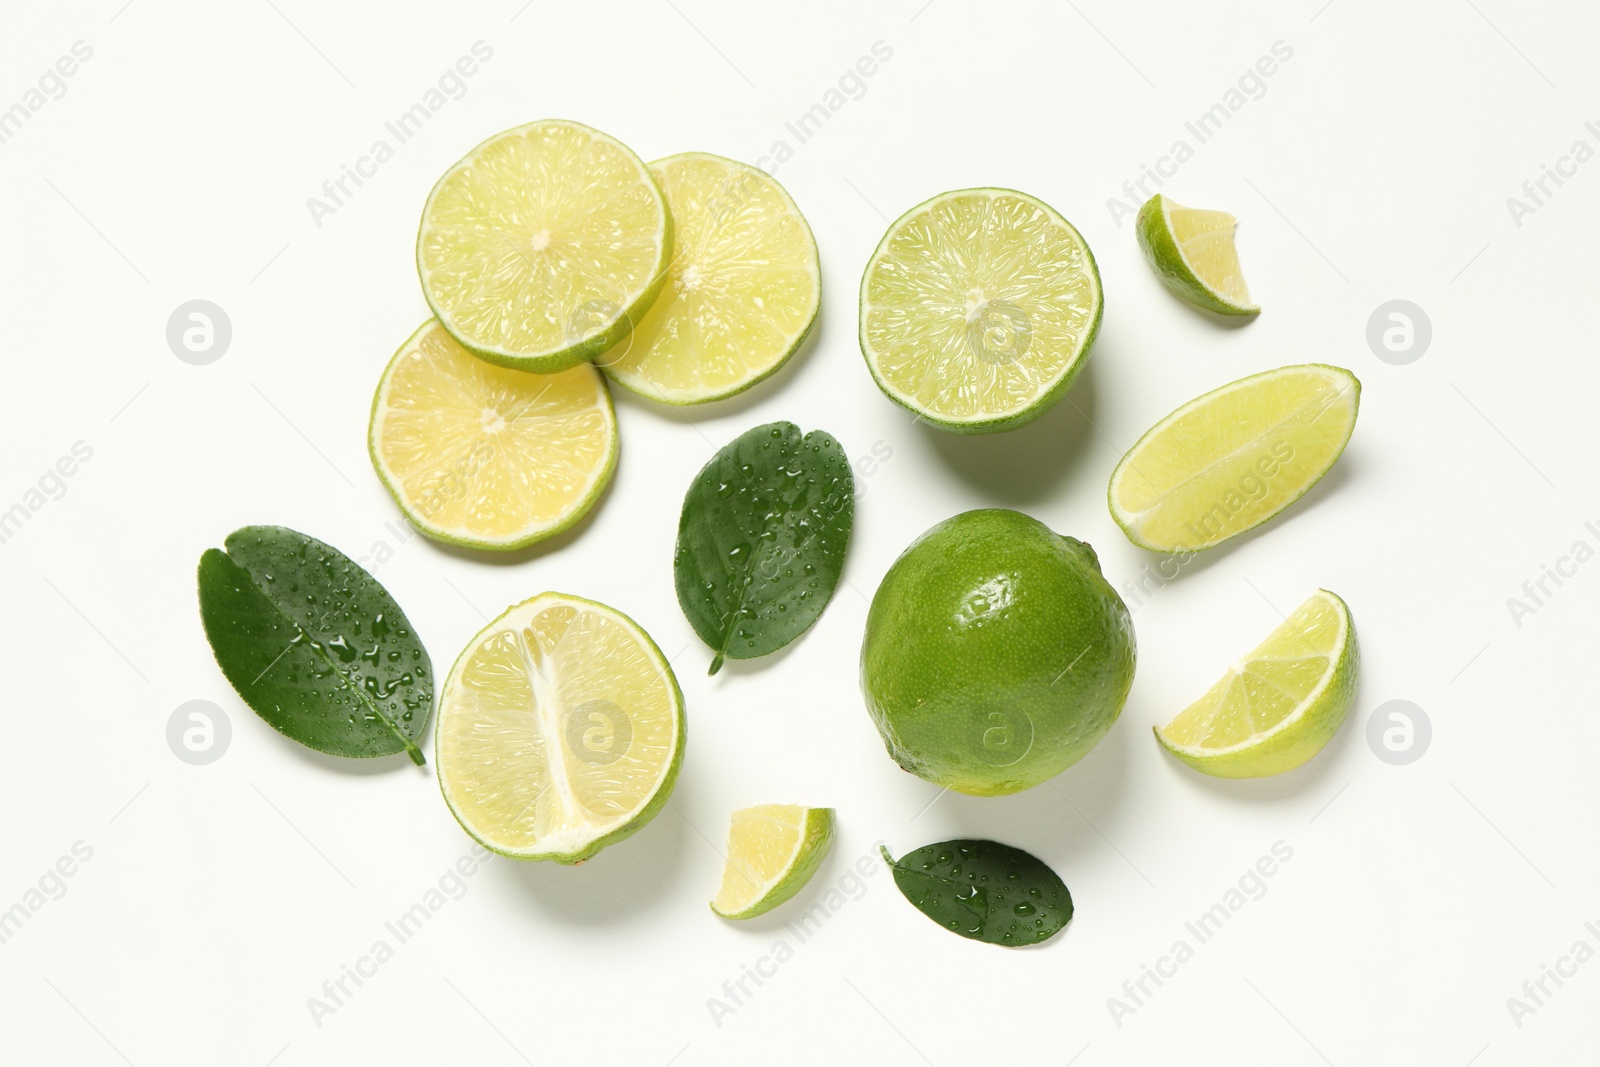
x=742, y=290
x=978, y=309
x=560, y=730
x=1233, y=458
x=485, y=457
x=541, y=247
x=1279, y=706
x=1192, y=252
x=773, y=850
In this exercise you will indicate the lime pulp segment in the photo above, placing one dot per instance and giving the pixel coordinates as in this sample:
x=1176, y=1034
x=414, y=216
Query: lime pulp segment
x=773, y=850
x=1192, y=251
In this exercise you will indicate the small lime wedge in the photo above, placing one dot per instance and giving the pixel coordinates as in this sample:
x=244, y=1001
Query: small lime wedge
x=773, y=850
x=1192, y=252
x=1232, y=459
x=1279, y=705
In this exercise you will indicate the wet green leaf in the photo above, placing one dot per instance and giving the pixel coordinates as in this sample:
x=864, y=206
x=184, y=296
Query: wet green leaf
x=984, y=890
x=762, y=538
x=314, y=644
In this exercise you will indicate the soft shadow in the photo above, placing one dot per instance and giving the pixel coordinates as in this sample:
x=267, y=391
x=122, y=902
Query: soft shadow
x=1025, y=465
x=1331, y=482
x=606, y=890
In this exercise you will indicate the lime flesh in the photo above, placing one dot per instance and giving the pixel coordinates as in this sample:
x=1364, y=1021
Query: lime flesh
x=773, y=850
x=978, y=309
x=1279, y=705
x=1192, y=252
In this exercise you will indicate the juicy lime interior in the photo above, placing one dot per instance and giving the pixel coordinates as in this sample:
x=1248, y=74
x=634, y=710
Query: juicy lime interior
x=764, y=843
x=482, y=454
x=1234, y=457
x=541, y=237
x=1205, y=239
x=742, y=288
x=976, y=304
x=558, y=725
x=1260, y=692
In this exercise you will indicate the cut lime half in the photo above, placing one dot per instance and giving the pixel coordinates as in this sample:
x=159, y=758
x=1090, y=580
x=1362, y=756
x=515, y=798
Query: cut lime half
x=742, y=289
x=485, y=457
x=544, y=245
x=1279, y=705
x=560, y=730
x=773, y=850
x=1230, y=460
x=1192, y=252
x=978, y=309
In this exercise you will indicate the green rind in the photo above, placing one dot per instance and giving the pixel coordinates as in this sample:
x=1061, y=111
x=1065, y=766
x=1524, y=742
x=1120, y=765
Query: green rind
x=1044, y=402
x=1288, y=749
x=813, y=850
x=1166, y=259
x=651, y=808
x=433, y=533
x=589, y=347
x=799, y=341
x=1287, y=504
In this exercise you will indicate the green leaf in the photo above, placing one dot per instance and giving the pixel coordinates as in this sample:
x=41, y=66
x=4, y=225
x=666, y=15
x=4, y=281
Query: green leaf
x=762, y=538
x=314, y=644
x=984, y=890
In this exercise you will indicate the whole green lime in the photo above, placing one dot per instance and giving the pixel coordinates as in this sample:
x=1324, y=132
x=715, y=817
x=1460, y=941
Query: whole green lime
x=996, y=655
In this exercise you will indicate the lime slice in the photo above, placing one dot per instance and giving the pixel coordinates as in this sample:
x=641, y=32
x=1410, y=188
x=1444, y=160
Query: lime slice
x=1191, y=251
x=560, y=730
x=1233, y=458
x=486, y=457
x=773, y=850
x=1279, y=705
x=742, y=289
x=542, y=247
x=978, y=309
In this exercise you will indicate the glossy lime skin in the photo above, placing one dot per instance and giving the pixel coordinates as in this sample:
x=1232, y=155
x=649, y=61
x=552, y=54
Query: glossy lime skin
x=996, y=655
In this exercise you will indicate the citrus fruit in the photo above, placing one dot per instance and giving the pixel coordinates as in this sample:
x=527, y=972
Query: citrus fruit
x=773, y=850
x=1192, y=252
x=1279, y=705
x=1232, y=459
x=996, y=656
x=742, y=289
x=542, y=247
x=978, y=309
x=486, y=457
x=560, y=730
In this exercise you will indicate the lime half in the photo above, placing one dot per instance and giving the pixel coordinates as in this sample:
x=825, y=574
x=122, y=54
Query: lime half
x=1233, y=458
x=1278, y=706
x=560, y=730
x=1192, y=252
x=485, y=457
x=773, y=850
x=544, y=245
x=742, y=290
x=978, y=309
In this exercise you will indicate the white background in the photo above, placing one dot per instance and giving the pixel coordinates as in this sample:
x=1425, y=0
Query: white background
x=1376, y=166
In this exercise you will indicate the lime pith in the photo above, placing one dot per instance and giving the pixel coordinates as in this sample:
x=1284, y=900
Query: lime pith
x=543, y=245
x=1233, y=458
x=1279, y=705
x=773, y=850
x=485, y=457
x=1192, y=252
x=560, y=730
x=742, y=289
x=978, y=309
